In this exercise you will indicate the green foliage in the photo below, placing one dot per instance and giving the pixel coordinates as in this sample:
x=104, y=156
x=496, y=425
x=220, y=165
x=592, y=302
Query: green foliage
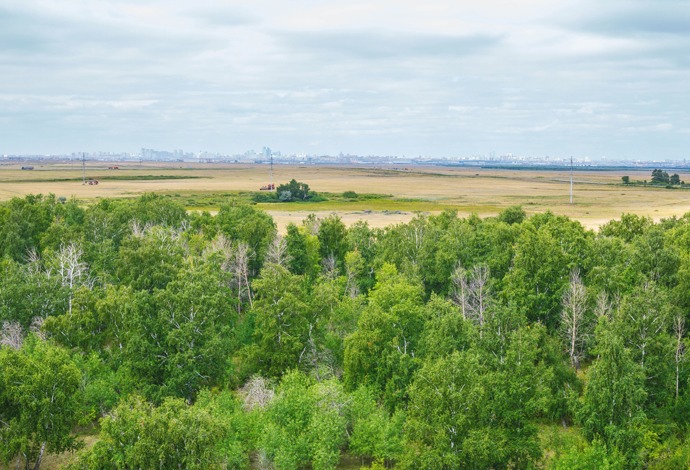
x=154, y=209
x=655, y=257
x=27, y=292
x=265, y=196
x=281, y=318
x=596, y=455
x=66, y=226
x=180, y=340
x=362, y=239
x=463, y=414
x=305, y=424
x=611, y=407
x=538, y=277
x=22, y=223
x=612, y=271
x=512, y=215
x=660, y=177
x=151, y=260
x=101, y=320
x=375, y=433
x=246, y=224
x=140, y=435
x=181, y=309
x=80, y=328
x=333, y=239
x=296, y=250
x=100, y=386
x=671, y=453
x=239, y=431
x=445, y=331
x=381, y=351
x=294, y=191
x=627, y=228
x=334, y=316
x=40, y=401
x=643, y=321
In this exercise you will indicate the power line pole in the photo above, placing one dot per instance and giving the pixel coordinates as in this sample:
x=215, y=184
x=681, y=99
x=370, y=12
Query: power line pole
x=83, y=168
x=571, y=179
x=271, y=174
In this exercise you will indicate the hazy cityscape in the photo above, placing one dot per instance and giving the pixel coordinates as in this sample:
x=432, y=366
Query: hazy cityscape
x=266, y=155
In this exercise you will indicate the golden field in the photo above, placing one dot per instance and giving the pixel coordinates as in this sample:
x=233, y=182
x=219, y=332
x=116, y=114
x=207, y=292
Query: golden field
x=598, y=195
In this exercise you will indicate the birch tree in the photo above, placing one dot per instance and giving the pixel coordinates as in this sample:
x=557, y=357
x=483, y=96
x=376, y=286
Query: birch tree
x=282, y=320
x=11, y=335
x=471, y=292
x=239, y=268
x=140, y=435
x=460, y=295
x=645, y=322
x=72, y=270
x=277, y=251
x=573, y=318
x=40, y=402
x=679, y=356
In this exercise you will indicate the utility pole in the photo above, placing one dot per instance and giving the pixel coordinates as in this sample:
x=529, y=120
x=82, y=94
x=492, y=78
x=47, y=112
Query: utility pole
x=271, y=174
x=571, y=179
x=83, y=168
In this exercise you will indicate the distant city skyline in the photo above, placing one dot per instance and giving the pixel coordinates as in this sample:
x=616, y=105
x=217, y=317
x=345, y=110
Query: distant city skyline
x=252, y=156
x=441, y=79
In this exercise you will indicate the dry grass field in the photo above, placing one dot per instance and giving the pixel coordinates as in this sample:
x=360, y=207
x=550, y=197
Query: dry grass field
x=599, y=195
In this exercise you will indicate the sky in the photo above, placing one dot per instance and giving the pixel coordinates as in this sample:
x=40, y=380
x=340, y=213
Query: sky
x=456, y=78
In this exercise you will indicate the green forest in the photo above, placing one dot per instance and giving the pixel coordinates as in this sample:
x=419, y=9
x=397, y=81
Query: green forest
x=189, y=340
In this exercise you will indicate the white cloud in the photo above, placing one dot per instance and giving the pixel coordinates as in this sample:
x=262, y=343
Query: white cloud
x=437, y=78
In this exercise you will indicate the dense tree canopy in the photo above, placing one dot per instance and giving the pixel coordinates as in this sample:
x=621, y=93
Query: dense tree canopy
x=200, y=341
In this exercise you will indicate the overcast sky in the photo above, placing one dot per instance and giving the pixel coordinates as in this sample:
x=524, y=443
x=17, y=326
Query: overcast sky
x=597, y=78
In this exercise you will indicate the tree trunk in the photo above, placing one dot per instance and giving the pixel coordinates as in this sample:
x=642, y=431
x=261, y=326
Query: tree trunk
x=40, y=456
x=679, y=330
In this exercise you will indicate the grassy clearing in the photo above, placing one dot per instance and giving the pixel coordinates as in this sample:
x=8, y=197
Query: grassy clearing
x=58, y=461
x=345, y=206
x=598, y=195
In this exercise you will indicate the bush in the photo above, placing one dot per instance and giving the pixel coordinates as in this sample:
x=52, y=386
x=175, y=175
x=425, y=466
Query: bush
x=264, y=197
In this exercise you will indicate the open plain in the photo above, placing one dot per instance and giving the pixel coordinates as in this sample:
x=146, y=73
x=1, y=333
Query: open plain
x=599, y=195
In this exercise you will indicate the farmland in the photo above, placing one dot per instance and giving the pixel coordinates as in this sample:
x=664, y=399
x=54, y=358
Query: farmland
x=598, y=195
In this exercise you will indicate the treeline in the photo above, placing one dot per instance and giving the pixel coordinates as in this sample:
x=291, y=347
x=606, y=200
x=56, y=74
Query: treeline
x=659, y=177
x=199, y=341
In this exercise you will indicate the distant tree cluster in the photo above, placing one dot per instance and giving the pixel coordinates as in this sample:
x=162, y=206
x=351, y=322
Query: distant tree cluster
x=658, y=177
x=294, y=191
x=662, y=177
x=196, y=341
